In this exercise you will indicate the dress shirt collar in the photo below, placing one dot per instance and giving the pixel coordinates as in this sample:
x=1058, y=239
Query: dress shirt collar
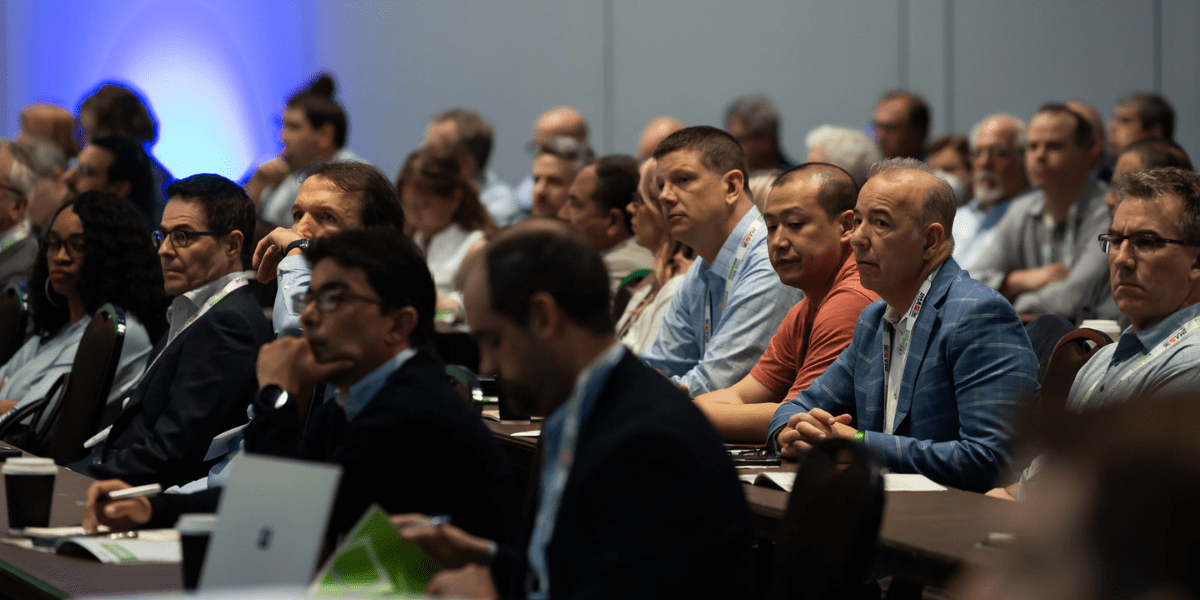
x=1142, y=341
x=188, y=304
x=724, y=261
x=360, y=394
x=892, y=314
x=13, y=235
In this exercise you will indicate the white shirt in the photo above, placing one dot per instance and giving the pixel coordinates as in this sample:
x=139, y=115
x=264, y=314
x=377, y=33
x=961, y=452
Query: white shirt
x=895, y=375
x=445, y=253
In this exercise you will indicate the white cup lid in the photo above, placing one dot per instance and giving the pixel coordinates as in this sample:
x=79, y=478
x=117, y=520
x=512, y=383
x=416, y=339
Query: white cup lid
x=196, y=523
x=30, y=466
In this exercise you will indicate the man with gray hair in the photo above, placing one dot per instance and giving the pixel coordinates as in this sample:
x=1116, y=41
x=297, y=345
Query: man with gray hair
x=938, y=368
x=843, y=147
x=558, y=160
x=754, y=122
x=50, y=166
x=18, y=248
x=997, y=176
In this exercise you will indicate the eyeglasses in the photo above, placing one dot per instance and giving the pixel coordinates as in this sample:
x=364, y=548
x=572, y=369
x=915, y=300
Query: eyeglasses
x=328, y=299
x=15, y=191
x=1142, y=243
x=74, y=245
x=85, y=169
x=180, y=238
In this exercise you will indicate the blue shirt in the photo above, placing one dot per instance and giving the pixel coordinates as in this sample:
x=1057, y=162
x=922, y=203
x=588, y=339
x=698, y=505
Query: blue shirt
x=1175, y=369
x=742, y=328
x=360, y=394
x=292, y=279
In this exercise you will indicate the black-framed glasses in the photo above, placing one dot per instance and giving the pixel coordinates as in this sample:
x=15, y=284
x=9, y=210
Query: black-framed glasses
x=73, y=244
x=1142, y=243
x=328, y=299
x=180, y=238
x=20, y=193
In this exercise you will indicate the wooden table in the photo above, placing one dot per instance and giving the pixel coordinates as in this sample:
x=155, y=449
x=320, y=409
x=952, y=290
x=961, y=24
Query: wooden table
x=925, y=536
x=32, y=574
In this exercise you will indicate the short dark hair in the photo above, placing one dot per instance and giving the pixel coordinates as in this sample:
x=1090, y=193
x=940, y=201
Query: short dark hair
x=378, y=202
x=837, y=194
x=918, y=109
x=617, y=177
x=227, y=208
x=1156, y=153
x=395, y=268
x=131, y=164
x=1084, y=137
x=118, y=109
x=757, y=113
x=719, y=152
x=555, y=259
x=316, y=100
x=473, y=134
x=1156, y=183
x=1152, y=109
x=119, y=267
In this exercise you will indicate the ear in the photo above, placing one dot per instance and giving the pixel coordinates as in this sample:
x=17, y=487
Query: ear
x=1194, y=273
x=546, y=319
x=935, y=235
x=327, y=132
x=616, y=223
x=734, y=183
x=404, y=322
x=233, y=247
x=121, y=188
x=847, y=226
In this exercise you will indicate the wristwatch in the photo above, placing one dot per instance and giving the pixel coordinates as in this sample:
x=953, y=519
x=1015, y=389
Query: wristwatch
x=271, y=398
x=301, y=243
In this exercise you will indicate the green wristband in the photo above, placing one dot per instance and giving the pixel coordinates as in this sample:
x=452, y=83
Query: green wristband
x=859, y=436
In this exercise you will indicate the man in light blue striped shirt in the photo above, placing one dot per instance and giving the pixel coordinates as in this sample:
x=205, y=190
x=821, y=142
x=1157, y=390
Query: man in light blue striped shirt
x=731, y=301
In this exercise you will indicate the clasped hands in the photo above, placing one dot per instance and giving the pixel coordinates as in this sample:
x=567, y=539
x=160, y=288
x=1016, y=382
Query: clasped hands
x=805, y=429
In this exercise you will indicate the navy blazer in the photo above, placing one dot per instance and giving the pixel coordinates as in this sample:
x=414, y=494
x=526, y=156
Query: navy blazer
x=652, y=506
x=198, y=388
x=969, y=368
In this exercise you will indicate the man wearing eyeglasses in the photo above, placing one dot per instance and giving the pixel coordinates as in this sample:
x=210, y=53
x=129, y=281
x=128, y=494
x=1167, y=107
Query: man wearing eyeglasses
x=1153, y=250
x=18, y=249
x=201, y=375
x=368, y=326
x=997, y=177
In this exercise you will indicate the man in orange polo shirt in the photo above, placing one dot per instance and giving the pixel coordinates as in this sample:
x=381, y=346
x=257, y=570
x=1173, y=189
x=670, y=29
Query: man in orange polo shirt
x=809, y=216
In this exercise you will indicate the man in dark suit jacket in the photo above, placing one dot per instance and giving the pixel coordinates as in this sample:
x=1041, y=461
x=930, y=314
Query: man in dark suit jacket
x=404, y=440
x=202, y=372
x=636, y=495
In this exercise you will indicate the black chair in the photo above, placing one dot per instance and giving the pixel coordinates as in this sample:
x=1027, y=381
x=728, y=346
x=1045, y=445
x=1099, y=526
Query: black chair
x=828, y=534
x=14, y=320
x=57, y=426
x=1069, y=355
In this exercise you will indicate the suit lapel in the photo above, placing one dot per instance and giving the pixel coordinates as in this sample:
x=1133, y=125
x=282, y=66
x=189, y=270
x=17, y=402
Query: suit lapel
x=928, y=320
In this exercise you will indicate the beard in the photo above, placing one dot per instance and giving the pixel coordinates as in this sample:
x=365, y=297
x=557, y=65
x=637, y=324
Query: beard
x=987, y=186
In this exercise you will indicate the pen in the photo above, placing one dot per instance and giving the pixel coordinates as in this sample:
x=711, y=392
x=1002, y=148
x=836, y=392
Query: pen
x=133, y=492
x=433, y=521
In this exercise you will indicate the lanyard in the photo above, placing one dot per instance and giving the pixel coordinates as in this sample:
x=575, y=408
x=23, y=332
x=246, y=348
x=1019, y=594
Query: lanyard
x=914, y=311
x=1068, y=241
x=557, y=460
x=737, y=258
x=10, y=239
x=225, y=291
x=1157, y=350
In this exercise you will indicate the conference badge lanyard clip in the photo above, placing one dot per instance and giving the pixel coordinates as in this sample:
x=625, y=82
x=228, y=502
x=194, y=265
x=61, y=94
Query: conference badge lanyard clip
x=1171, y=340
x=225, y=291
x=738, y=258
x=914, y=311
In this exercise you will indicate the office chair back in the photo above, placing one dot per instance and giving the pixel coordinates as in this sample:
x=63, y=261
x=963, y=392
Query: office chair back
x=1070, y=354
x=68, y=423
x=14, y=319
x=828, y=534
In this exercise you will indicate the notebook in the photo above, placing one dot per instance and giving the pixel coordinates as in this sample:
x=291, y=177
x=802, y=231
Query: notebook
x=271, y=523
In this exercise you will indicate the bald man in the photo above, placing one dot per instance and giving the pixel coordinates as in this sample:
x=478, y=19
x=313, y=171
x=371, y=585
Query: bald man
x=937, y=370
x=558, y=121
x=655, y=132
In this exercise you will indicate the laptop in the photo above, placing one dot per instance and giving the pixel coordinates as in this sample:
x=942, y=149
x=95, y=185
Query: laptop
x=271, y=523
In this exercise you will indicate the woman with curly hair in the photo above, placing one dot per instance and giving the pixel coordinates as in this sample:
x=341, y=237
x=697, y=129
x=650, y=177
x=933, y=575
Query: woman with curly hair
x=96, y=251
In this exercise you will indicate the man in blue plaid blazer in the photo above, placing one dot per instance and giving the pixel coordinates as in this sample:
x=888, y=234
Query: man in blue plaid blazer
x=938, y=367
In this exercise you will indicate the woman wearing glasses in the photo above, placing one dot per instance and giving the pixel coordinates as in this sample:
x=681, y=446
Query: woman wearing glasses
x=96, y=251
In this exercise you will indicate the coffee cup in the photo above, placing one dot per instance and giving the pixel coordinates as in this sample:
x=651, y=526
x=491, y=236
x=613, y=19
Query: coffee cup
x=29, y=487
x=195, y=530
